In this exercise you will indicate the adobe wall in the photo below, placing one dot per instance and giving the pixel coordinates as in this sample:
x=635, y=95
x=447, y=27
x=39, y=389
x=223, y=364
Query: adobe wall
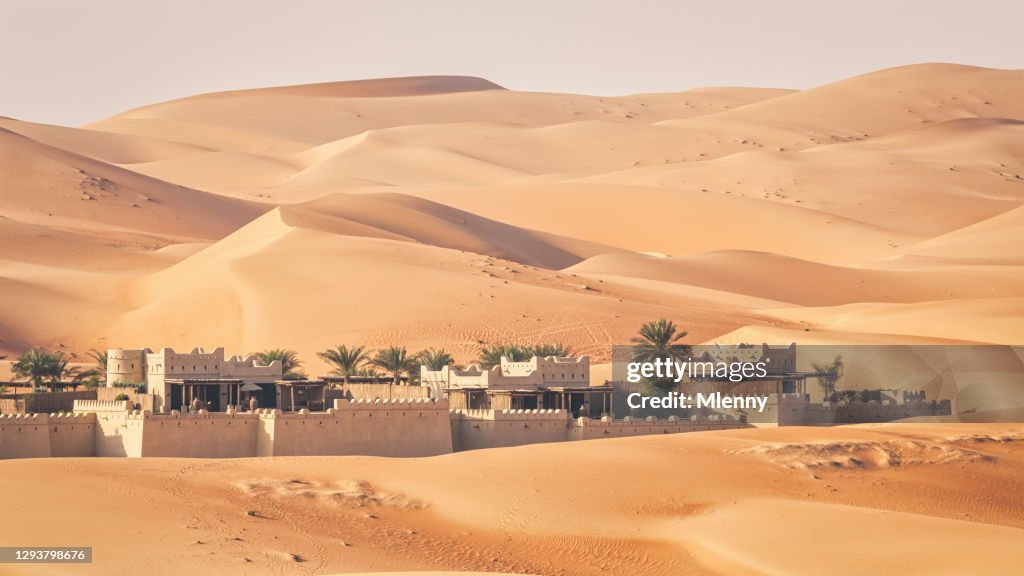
x=588, y=429
x=45, y=435
x=24, y=436
x=476, y=429
x=117, y=434
x=198, y=435
x=72, y=435
x=370, y=427
x=800, y=413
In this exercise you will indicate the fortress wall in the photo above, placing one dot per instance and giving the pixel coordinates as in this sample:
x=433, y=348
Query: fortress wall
x=24, y=436
x=72, y=435
x=118, y=434
x=265, y=432
x=373, y=427
x=808, y=414
x=476, y=429
x=199, y=435
x=587, y=429
x=804, y=414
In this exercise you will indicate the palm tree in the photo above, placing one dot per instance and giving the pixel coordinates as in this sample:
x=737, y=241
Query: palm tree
x=395, y=360
x=435, y=360
x=829, y=375
x=99, y=357
x=346, y=362
x=98, y=374
x=41, y=367
x=660, y=339
x=289, y=360
x=490, y=357
x=368, y=372
x=556, y=349
x=89, y=378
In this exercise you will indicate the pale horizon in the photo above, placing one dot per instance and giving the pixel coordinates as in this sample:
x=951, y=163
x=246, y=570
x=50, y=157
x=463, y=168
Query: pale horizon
x=77, y=63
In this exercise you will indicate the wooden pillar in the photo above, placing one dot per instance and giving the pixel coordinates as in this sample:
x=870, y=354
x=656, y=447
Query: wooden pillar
x=292, y=387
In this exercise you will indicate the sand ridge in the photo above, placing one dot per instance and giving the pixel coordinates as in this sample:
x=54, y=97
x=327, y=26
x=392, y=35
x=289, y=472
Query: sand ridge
x=450, y=212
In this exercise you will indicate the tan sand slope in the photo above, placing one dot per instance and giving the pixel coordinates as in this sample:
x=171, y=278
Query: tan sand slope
x=370, y=283
x=920, y=499
x=53, y=187
x=754, y=273
x=447, y=211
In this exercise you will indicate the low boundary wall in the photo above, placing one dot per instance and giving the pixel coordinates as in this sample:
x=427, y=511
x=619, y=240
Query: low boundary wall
x=396, y=428
x=477, y=429
x=45, y=435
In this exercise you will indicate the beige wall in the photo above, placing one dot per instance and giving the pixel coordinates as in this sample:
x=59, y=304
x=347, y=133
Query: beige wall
x=795, y=412
x=199, y=435
x=373, y=427
x=476, y=429
x=378, y=428
x=43, y=435
x=584, y=429
x=398, y=428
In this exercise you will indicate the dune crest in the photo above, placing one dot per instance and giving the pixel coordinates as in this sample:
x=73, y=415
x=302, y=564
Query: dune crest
x=448, y=211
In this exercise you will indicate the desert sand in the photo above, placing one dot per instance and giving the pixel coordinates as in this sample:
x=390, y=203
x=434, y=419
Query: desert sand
x=873, y=499
x=450, y=212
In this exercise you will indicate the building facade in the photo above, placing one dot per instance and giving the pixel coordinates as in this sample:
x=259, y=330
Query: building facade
x=177, y=379
x=540, y=383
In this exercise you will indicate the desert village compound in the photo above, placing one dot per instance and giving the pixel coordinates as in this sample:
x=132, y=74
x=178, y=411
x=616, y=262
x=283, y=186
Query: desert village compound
x=200, y=404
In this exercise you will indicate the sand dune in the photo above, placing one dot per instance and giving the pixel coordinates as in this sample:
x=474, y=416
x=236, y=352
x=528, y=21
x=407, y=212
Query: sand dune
x=338, y=274
x=722, y=503
x=449, y=211
x=401, y=217
x=60, y=189
x=901, y=98
x=771, y=276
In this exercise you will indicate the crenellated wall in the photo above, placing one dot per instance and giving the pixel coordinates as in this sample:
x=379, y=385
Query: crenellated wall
x=198, y=435
x=108, y=428
x=45, y=435
x=587, y=429
x=476, y=429
x=369, y=427
x=794, y=411
x=397, y=428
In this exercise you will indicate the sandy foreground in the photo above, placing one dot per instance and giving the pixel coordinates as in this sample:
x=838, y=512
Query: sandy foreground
x=872, y=499
x=450, y=212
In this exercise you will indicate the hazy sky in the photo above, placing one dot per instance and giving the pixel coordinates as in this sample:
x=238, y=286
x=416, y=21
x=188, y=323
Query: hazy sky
x=76, y=61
